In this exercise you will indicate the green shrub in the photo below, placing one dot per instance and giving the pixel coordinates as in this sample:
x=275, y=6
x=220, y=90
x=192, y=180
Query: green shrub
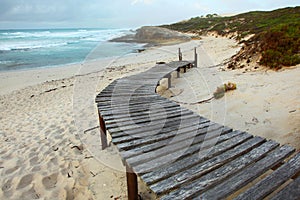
x=277, y=32
x=281, y=46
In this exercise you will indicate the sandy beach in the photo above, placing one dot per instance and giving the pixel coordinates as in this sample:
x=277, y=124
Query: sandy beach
x=50, y=145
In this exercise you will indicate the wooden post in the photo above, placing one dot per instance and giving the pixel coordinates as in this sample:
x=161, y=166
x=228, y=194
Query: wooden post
x=179, y=55
x=103, y=135
x=169, y=81
x=132, y=185
x=196, y=57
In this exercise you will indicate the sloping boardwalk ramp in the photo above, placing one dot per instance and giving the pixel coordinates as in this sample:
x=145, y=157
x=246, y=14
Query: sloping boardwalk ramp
x=181, y=155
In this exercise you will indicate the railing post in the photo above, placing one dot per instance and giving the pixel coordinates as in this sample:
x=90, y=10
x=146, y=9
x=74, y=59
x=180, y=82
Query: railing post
x=132, y=185
x=103, y=135
x=169, y=81
x=195, y=58
x=179, y=55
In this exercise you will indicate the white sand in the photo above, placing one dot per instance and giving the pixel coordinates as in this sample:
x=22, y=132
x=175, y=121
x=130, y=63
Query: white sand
x=45, y=152
x=266, y=102
x=48, y=152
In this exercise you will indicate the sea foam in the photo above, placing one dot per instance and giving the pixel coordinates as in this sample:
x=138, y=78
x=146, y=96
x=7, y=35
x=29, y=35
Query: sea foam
x=21, y=49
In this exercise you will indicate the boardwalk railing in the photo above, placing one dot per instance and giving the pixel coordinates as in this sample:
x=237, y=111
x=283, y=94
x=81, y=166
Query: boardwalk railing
x=169, y=147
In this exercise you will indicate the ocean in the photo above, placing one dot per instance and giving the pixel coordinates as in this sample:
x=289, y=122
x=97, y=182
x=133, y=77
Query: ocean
x=25, y=49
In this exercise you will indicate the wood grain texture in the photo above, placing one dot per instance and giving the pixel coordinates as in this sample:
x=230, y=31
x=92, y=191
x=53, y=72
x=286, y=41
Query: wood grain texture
x=181, y=155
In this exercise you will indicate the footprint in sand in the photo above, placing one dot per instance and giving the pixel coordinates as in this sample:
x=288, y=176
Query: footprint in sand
x=11, y=170
x=33, y=161
x=25, y=181
x=7, y=186
x=36, y=169
x=50, y=181
x=30, y=194
x=266, y=106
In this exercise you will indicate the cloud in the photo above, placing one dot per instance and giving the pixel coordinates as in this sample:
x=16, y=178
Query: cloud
x=141, y=1
x=116, y=13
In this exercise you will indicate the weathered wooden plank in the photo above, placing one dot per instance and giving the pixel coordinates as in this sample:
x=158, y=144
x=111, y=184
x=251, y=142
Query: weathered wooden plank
x=117, y=94
x=205, y=182
x=130, y=119
x=201, y=168
x=245, y=176
x=107, y=110
x=290, y=192
x=128, y=87
x=153, y=146
x=144, y=114
x=132, y=101
x=118, y=98
x=119, y=112
x=158, y=125
x=163, y=134
x=165, y=131
x=155, y=159
x=147, y=122
x=136, y=79
x=173, y=136
x=141, y=114
x=121, y=87
x=168, y=125
x=168, y=156
x=273, y=181
x=240, y=144
x=125, y=91
x=176, y=64
x=150, y=112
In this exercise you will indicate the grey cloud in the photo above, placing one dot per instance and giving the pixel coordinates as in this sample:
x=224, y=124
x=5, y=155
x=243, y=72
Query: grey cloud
x=117, y=13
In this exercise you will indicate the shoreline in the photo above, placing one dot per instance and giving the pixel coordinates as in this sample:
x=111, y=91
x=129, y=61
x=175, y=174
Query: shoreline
x=34, y=76
x=47, y=153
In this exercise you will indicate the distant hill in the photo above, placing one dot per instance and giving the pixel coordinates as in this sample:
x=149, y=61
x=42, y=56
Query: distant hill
x=154, y=36
x=274, y=41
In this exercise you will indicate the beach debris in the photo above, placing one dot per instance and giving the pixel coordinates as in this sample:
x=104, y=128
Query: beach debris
x=220, y=91
x=88, y=157
x=93, y=174
x=91, y=129
x=54, y=148
x=50, y=90
x=255, y=120
x=70, y=173
x=140, y=50
x=78, y=147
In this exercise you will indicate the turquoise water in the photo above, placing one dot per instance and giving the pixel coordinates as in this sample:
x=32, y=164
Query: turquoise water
x=24, y=49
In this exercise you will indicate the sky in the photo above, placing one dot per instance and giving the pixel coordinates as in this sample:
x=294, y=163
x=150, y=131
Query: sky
x=22, y=14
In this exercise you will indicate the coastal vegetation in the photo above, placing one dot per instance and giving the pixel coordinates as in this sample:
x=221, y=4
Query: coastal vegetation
x=274, y=41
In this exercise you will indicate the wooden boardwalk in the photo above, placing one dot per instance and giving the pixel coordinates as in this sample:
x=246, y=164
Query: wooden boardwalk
x=181, y=155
